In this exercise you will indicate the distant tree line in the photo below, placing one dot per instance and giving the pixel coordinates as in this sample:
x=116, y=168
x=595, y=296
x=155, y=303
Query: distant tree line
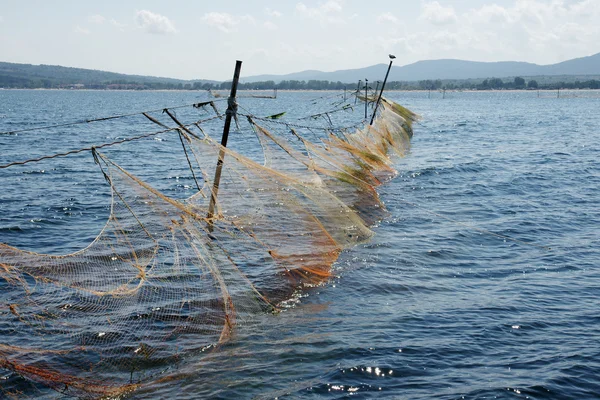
x=518, y=83
x=487, y=84
x=16, y=82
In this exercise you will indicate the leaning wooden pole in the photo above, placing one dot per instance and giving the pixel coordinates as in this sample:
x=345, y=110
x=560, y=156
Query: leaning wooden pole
x=231, y=110
x=380, y=93
x=366, y=97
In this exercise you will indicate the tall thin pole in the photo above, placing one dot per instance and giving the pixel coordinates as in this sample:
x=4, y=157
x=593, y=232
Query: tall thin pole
x=380, y=93
x=366, y=96
x=229, y=114
x=357, y=91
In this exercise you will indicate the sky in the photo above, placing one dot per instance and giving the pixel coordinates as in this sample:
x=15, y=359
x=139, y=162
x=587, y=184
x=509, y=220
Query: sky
x=202, y=39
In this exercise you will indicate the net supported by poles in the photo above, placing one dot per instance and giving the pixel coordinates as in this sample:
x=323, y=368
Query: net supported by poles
x=163, y=282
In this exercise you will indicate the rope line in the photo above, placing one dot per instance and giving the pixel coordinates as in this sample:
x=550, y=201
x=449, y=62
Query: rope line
x=188, y=160
x=99, y=146
x=87, y=121
x=290, y=124
x=325, y=97
x=315, y=116
x=157, y=122
x=294, y=125
x=182, y=126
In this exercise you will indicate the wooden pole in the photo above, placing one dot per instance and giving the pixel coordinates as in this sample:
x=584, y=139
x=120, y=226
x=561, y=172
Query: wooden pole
x=366, y=96
x=230, y=112
x=380, y=93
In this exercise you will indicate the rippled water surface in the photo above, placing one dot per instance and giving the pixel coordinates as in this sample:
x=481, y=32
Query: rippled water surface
x=484, y=282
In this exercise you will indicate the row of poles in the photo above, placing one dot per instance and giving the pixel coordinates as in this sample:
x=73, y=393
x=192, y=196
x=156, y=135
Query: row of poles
x=231, y=110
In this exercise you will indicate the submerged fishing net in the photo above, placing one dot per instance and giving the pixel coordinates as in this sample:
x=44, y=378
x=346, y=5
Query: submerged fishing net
x=166, y=280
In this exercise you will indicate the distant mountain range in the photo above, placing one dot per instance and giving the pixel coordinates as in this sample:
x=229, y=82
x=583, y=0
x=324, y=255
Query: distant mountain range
x=14, y=75
x=445, y=70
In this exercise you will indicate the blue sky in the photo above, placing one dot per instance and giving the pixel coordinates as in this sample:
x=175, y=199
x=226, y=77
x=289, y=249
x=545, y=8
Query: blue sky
x=202, y=39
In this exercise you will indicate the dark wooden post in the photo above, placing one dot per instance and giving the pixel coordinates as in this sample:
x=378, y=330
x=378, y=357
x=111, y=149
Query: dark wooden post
x=376, y=90
x=230, y=112
x=382, y=87
x=366, y=96
x=357, y=91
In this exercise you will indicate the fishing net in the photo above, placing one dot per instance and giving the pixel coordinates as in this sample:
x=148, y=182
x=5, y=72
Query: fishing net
x=167, y=280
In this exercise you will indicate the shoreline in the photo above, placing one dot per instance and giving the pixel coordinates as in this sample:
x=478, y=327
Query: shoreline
x=298, y=90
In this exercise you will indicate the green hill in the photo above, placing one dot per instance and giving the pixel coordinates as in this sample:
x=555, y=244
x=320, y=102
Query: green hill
x=14, y=75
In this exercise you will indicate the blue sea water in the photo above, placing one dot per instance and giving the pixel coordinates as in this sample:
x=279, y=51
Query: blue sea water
x=484, y=282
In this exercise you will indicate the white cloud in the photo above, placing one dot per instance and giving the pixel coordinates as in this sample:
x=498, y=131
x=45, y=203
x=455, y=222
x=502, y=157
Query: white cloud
x=273, y=13
x=542, y=31
x=80, y=30
x=96, y=19
x=154, y=23
x=270, y=26
x=387, y=17
x=437, y=14
x=492, y=13
x=558, y=29
x=118, y=25
x=331, y=6
x=537, y=14
x=259, y=53
x=223, y=21
x=226, y=22
x=328, y=12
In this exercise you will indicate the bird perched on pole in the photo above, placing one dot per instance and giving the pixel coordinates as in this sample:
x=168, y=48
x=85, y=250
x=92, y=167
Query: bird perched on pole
x=392, y=56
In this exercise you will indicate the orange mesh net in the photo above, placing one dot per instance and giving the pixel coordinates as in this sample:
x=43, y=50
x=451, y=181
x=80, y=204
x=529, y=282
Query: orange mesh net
x=163, y=282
